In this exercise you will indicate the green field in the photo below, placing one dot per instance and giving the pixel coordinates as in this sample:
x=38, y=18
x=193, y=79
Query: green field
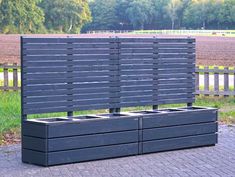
x=10, y=110
x=227, y=33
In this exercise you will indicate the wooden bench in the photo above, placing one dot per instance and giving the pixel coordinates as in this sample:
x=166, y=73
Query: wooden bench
x=77, y=74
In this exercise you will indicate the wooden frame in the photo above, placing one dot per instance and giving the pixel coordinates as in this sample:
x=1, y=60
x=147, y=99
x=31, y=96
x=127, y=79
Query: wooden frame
x=109, y=73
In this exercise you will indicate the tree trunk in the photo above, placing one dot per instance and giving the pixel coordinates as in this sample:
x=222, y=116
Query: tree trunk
x=71, y=25
x=172, y=24
x=204, y=24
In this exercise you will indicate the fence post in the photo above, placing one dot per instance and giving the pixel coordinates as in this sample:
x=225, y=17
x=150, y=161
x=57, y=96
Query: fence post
x=115, y=82
x=206, y=81
x=226, y=82
x=15, y=77
x=216, y=81
x=155, y=71
x=197, y=81
x=234, y=82
x=70, y=76
x=5, y=77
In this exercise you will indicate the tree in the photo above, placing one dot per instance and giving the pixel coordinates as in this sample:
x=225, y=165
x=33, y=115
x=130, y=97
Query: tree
x=198, y=13
x=172, y=9
x=104, y=15
x=160, y=20
x=66, y=16
x=140, y=13
x=121, y=13
x=21, y=16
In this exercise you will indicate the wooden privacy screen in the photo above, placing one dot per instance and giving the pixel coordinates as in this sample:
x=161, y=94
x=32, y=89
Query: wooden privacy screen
x=71, y=74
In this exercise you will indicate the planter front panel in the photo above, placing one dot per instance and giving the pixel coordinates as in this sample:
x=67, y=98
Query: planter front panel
x=179, y=143
x=77, y=142
x=76, y=128
x=179, y=118
x=179, y=131
x=79, y=155
x=60, y=142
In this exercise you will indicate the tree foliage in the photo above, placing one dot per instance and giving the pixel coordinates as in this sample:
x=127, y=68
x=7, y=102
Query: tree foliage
x=66, y=16
x=172, y=9
x=71, y=16
x=21, y=16
x=163, y=14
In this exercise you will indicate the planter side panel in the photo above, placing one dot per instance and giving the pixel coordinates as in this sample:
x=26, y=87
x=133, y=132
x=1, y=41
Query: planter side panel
x=34, y=129
x=34, y=157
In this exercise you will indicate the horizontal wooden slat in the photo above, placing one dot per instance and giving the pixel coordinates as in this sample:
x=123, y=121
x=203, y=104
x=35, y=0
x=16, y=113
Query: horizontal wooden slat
x=66, y=52
x=179, y=131
x=79, y=155
x=179, y=143
x=175, y=40
x=68, y=46
x=79, y=142
x=179, y=118
x=66, y=40
x=66, y=57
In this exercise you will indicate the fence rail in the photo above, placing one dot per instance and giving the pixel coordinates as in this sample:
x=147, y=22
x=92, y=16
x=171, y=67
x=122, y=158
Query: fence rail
x=209, y=81
x=9, y=77
x=215, y=81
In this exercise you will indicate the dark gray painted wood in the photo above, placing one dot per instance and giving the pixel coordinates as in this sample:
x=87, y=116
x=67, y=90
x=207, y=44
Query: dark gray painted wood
x=33, y=143
x=179, y=131
x=132, y=61
x=79, y=142
x=34, y=157
x=86, y=154
x=82, y=127
x=80, y=155
x=32, y=129
x=179, y=143
x=179, y=118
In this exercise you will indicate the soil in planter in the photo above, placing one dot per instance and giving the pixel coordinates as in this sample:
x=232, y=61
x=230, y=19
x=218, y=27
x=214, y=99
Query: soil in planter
x=113, y=115
x=170, y=110
x=54, y=120
x=88, y=117
x=147, y=112
x=192, y=108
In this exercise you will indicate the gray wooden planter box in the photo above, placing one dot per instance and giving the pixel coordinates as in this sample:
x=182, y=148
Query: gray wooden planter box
x=60, y=141
x=172, y=129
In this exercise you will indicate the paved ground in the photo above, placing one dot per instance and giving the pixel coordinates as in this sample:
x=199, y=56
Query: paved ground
x=218, y=161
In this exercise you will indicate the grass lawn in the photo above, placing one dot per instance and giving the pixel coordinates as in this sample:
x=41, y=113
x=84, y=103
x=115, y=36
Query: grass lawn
x=10, y=111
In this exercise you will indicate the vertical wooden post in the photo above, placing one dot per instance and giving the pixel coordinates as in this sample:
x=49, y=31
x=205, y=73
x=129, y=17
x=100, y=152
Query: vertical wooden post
x=155, y=73
x=197, y=81
x=216, y=81
x=23, y=115
x=70, y=71
x=5, y=77
x=206, y=81
x=233, y=82
x=191, y=56
x=226, y=82
x=115, y=83
x=15, y=77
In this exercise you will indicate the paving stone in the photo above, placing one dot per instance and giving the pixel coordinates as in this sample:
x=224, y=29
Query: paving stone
x=214, y=161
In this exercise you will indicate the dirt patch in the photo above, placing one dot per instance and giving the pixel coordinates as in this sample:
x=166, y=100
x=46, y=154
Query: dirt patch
x=209, y=50
x=10, y=137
